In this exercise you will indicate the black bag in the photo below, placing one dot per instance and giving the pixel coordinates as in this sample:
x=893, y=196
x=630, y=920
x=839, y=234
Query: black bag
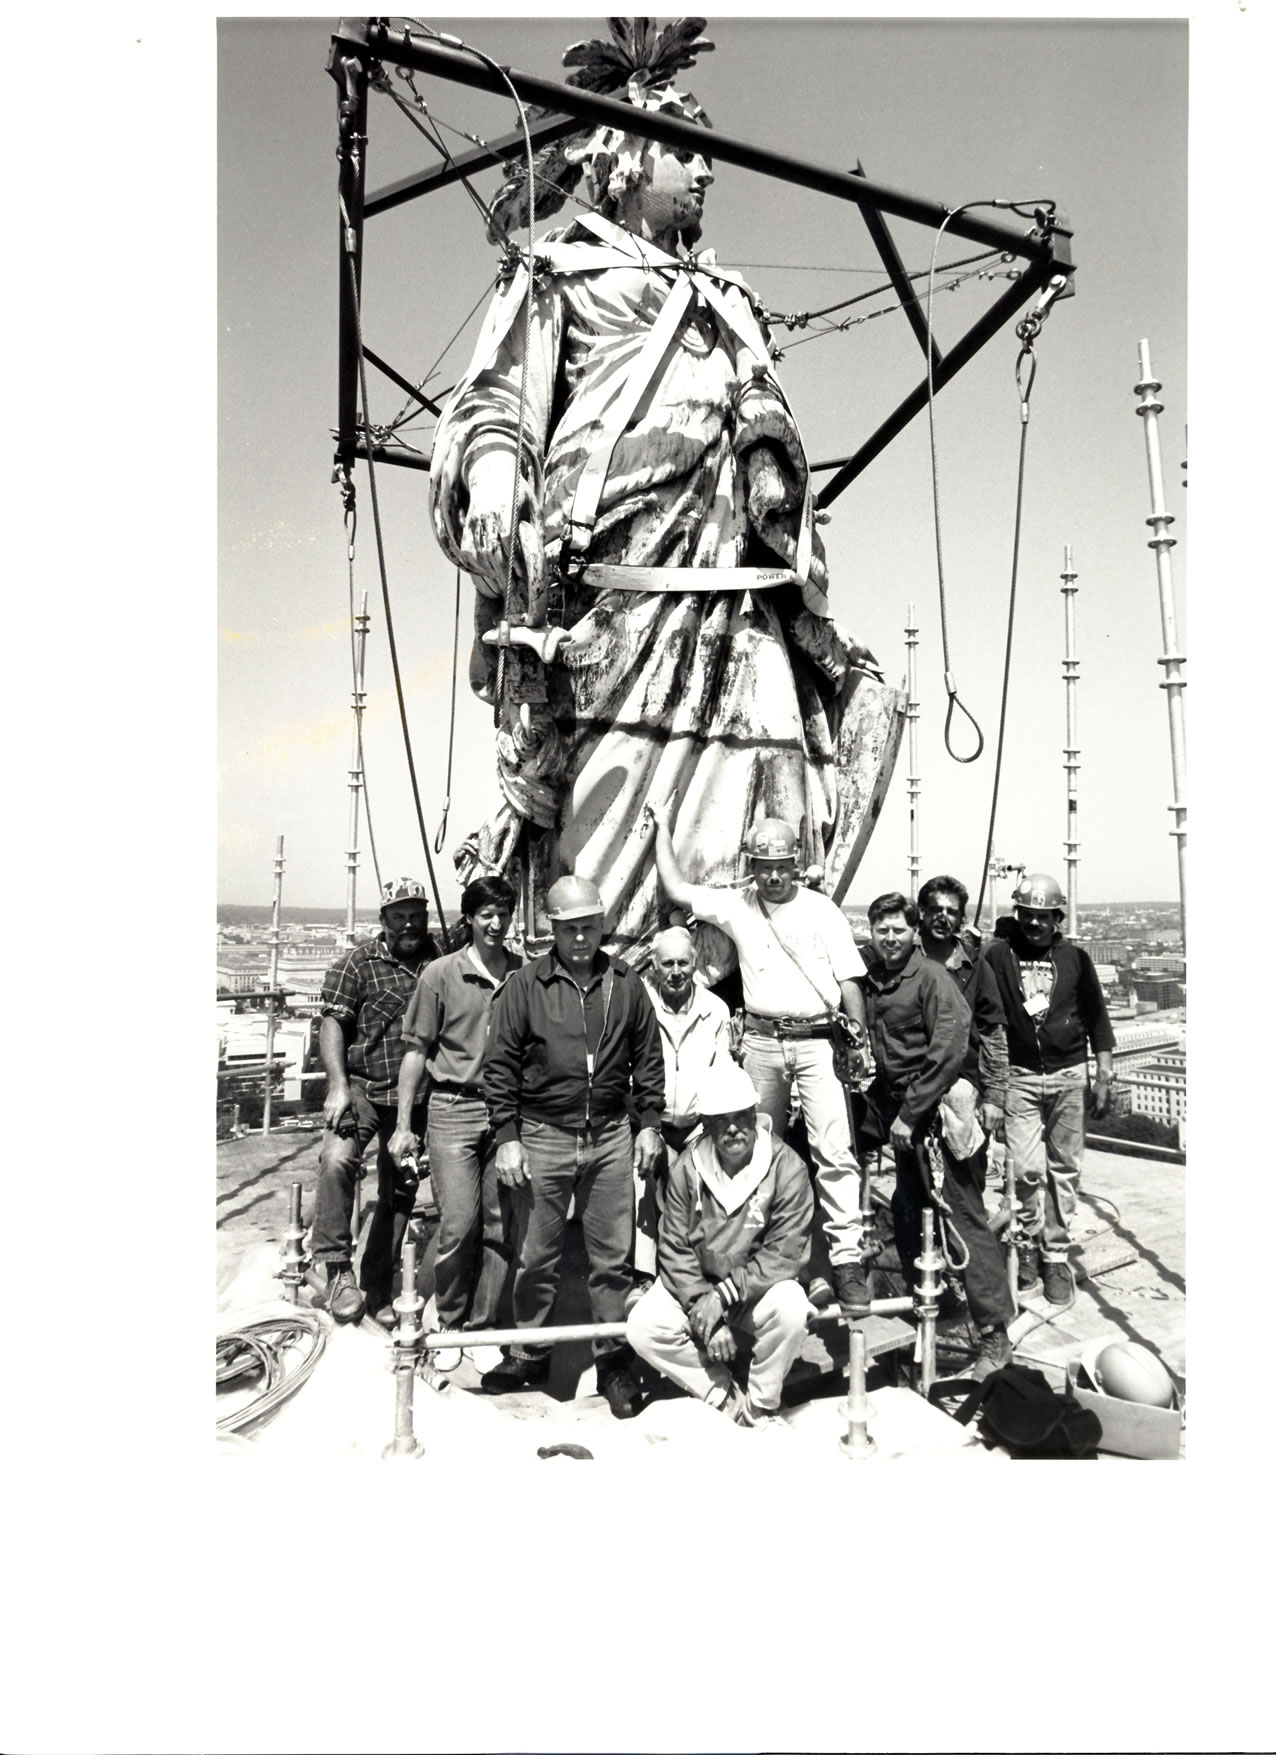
x=1018, y=1410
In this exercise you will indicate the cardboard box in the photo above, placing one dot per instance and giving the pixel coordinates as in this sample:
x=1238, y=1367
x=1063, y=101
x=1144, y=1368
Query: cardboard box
x=1129, y=1428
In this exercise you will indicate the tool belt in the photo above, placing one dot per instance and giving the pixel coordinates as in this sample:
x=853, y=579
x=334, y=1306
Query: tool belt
x=817, y=1026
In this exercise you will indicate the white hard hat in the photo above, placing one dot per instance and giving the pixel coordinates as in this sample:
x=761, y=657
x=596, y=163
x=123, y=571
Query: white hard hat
x=573, y=898
x=726, y=1089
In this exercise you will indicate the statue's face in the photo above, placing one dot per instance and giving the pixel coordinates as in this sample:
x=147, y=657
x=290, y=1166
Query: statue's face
x=670, y=197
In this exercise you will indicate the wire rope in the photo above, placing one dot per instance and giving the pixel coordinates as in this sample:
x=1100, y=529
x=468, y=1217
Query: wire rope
x=1025, y=391
x=261, y=1346
x=385, y=587
x=352, y=525
x=451, y=724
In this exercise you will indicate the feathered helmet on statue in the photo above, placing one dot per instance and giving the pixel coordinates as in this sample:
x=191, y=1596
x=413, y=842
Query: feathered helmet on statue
x=638, y=64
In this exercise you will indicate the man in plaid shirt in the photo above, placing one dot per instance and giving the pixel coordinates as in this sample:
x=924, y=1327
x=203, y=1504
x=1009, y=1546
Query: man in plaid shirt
x=365, y=993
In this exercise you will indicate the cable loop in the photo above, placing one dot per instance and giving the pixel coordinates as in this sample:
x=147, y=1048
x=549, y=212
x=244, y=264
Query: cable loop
x=1024, y=384
x=953, y=702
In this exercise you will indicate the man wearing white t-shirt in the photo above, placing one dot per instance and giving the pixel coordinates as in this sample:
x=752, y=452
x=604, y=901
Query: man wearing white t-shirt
x=798, y=964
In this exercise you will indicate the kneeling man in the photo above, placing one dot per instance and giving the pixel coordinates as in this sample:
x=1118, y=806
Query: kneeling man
x=734, y=1238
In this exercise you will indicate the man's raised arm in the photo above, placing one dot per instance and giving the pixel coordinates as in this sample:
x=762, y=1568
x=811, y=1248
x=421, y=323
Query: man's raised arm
x=674, y=884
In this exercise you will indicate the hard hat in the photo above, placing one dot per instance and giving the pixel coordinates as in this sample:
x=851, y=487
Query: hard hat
x=1037, y=889
x=771, y=839
x=1131, y=1373
x=403, y=889
x=573, y=898
x=725, y=1089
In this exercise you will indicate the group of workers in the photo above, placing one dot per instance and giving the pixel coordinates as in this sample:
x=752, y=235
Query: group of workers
x=572, y=1078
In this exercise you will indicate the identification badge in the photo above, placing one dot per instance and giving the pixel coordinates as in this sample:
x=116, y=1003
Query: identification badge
x=589, y=1065
x=1036, y=1006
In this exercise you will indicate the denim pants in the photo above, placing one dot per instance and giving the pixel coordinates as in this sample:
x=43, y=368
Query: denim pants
x=775, y=1063
x=473, y=1248
x=596, y=1165
x=1045, y=1136
x=340, y=1161
x=984, y=1277
x=659, y=1332
x=649, y=1196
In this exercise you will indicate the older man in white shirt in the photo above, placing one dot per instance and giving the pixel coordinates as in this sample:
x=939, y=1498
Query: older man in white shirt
x=695, y=1034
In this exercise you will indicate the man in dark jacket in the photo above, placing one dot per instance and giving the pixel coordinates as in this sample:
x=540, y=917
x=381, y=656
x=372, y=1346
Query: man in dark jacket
x=572, y=1034
x=734, y=1239
x=1054, y=1006
x=919, y=1026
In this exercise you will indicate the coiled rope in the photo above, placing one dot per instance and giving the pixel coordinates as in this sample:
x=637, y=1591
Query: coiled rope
x=260, y=1347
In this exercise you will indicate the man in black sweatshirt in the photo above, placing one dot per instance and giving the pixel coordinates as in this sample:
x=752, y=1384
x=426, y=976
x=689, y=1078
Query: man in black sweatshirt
x=1054, y=1007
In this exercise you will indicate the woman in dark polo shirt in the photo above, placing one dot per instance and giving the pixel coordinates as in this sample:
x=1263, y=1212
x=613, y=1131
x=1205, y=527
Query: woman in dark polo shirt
x=444, y=1035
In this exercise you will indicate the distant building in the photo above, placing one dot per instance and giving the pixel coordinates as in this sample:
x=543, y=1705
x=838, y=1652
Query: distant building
x=1161, y=991
x=1173, y=967
x=1159, y=1088
x=1105, y=950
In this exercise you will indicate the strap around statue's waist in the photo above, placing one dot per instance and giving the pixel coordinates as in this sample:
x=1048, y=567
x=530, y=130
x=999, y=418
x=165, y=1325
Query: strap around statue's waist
x=607, y=577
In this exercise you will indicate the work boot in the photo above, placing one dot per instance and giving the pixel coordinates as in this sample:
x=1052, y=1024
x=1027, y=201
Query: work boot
x=387, y=1317
x=1029, y=1266
x=850, y=1284
x=1057, y=1276
x=995, y=1351
x=515, y=1373
x=617, y=1386
x=342, y=1300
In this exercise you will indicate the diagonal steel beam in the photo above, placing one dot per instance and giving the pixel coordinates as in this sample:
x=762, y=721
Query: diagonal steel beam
x=981, y=331
x=905, y=291
x=463, y=164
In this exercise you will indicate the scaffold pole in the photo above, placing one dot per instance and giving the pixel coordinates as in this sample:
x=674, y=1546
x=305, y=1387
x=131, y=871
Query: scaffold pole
x=360, y=635
x=1172, y=659
x=273, y=1001
x=1071, y=751
x=911, y=713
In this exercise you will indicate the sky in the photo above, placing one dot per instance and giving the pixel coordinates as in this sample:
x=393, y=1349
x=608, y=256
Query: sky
x=1092, y=113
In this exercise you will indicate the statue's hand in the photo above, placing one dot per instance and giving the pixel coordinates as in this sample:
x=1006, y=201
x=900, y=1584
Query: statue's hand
x=485, y=534
x=769, y=492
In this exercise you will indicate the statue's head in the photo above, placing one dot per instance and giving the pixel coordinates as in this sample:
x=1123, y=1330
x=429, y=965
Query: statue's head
x=653, y=189
x=643, y=184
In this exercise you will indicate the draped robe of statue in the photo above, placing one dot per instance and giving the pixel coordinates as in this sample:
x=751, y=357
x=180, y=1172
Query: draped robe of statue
x=746, y=702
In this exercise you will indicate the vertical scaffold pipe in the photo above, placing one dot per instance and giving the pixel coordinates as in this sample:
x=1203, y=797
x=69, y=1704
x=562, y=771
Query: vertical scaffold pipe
x=292, y=1255
x=272, y=1001
x=1172, y=659
x=926, y=1297
x=911, y=713
x=409, y=1339
x=1071, y=751
x=857, y=1442
x=360, y=632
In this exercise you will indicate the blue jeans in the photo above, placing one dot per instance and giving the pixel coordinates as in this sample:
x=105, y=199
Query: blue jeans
x=775, y=1063
x=1045, y=1136
x=473, y=1248
x=595, y=1164
x=340, y=1166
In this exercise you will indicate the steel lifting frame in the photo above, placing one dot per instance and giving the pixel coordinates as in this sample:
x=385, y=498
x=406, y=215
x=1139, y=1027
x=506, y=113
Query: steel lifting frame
x=1044, y=251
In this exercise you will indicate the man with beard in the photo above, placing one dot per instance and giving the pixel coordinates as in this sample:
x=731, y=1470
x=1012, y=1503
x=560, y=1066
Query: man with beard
x=977, y=1101
x=363, y=999
x=695, y=1034
x=920, y=1028
x=1054, y=1007
x=734, y=1242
